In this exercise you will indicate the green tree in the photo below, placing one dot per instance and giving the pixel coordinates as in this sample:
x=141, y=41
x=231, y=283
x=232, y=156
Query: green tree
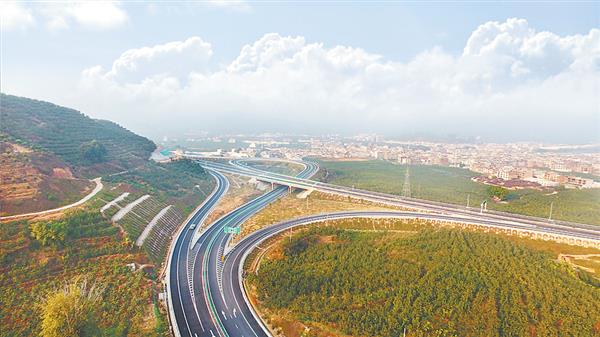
x=70, y=311
x=93, y=151
x=497, y=191
x=49, y=233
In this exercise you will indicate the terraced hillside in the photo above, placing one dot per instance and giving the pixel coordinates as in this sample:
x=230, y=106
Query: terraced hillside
x=91, y=147
x=33, y=181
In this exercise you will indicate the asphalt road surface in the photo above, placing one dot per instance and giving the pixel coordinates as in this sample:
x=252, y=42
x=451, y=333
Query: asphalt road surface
x=194, y=281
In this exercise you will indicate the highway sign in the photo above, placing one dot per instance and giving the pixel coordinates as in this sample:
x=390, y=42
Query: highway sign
x=231, y=230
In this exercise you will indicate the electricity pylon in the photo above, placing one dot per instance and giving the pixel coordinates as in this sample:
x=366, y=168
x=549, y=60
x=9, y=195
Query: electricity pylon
x=406, y=189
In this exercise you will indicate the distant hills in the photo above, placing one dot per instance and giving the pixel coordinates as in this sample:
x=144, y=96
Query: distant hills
x=91, y=147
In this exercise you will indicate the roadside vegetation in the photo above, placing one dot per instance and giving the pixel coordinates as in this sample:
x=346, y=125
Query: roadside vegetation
x=240, y=192
x=276, y=167
x=45, y=259
x=79, y=273
x=290, y=206
x=429, y=281
x=181, y=182
x=43, y=263
x=454, y=185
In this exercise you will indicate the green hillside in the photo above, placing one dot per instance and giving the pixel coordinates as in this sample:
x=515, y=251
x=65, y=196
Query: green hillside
x=90, y=146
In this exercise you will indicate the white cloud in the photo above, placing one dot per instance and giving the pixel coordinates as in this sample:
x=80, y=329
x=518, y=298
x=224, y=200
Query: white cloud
x=96, y=15
x=175, y=59
x=237, y=5
x=15, y=16
x=509, y=79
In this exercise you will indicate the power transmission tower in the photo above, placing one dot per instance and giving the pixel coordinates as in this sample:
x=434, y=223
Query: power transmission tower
x=406, y=189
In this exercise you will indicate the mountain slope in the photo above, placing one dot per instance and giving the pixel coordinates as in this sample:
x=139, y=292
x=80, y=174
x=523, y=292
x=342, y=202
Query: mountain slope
x=91, y=147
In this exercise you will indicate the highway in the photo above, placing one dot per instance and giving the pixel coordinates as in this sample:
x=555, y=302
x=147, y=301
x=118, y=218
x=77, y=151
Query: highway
x=541, y=225
x=182, y=311
x=206, y=291
x=194, y=283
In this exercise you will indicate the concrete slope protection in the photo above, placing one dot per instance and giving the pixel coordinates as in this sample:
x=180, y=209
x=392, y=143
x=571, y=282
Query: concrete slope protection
x=194, y=282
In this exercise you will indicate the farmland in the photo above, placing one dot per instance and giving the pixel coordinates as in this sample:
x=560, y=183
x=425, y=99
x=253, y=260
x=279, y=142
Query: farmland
x=454, y=185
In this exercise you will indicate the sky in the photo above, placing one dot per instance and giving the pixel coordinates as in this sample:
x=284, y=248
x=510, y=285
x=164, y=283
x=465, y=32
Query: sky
x=509, y=71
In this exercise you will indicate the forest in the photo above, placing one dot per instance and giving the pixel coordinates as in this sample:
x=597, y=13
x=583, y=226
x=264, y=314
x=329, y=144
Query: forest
x=436, y=282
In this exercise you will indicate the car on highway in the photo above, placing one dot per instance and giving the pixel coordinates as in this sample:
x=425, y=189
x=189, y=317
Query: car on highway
x=193, y=226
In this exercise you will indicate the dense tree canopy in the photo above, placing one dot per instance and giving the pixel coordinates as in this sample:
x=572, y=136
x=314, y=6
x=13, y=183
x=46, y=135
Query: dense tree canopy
x=497, y=191
x=93, y=152
x=68, y=312
x=50, y=233
x=76, y=224
x=433, y=283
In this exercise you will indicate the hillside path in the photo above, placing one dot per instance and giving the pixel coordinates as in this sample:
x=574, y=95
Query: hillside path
x=95, y=191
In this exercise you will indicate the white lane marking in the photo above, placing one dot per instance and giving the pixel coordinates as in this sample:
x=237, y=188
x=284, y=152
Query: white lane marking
x=202, y=278
x=234, y=258
x=212, y=334
x=222, y=184
x=237, y=327
x=234, y=313
x=225, y=185
x=224, y=316
x=220, y=272
x=178, y=254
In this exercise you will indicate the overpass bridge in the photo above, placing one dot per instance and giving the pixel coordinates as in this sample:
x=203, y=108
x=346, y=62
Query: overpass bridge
x=547, y=229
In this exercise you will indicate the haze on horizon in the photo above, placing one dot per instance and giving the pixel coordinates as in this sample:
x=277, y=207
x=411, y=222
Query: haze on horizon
x=504, y=72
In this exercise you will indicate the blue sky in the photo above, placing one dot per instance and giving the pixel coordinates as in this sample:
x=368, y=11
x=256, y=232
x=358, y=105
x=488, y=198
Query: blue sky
x=47, y=47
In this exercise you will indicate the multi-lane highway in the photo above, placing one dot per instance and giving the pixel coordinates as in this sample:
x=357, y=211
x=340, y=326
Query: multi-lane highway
x=206, y=293
x=196, y=304
x=182, y=309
